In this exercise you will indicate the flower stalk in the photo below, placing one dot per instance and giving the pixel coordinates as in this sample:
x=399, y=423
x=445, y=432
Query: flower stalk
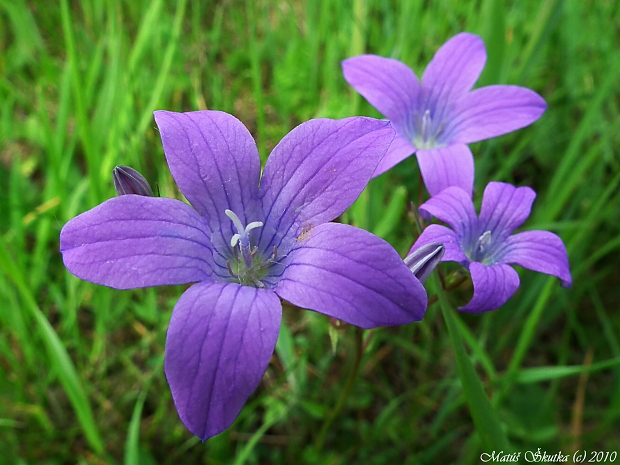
x=487, y=424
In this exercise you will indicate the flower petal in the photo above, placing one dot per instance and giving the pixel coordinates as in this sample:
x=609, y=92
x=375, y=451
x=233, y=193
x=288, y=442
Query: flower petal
x=215, y=163
x=445, y=167
x=136, y=241
x=389, y=85
x=494, y=110
x=352, y=275
x=318, y=170
x=400, y=148
x=219, y=342
x=504, y=208
x=438, y=233
x=454, y=207
x=540, y=251
x=493, y=286
x=455, y=68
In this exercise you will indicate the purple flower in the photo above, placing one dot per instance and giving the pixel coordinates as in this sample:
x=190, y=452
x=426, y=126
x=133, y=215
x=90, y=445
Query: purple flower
x=437, y=117
x=485, y=245
x=245, y=246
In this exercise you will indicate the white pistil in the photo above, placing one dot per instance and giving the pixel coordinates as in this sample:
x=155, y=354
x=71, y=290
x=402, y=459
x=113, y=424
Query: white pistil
x=483, y=242
x=242, y=238
x=242, y=232
x=426, y=132
x=426, y=126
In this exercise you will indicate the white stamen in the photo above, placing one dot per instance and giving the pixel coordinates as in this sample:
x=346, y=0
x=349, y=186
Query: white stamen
x=242, y=238
x=243, y=232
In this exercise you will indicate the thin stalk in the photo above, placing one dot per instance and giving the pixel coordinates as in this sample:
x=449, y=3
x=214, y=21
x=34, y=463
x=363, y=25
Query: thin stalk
x=346, y=392
x=487, y=424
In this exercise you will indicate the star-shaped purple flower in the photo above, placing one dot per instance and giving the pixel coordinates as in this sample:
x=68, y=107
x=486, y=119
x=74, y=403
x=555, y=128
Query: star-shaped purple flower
x=437, y=117
x=245, y=246
x=485, y=245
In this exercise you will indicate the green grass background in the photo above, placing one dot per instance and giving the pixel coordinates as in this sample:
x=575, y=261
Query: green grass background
x=81, y=366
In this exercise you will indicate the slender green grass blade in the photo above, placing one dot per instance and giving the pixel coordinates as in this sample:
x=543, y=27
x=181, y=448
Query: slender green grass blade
x=257, y=85
x=58, y=356
x=571, y=171
x=487, y=424
x=87, y=139
x=493, y=28
x=477, y=350
x=132, y=452
x=538, y=374
x=393, y=212
x=526, y=337
x=243, y=456
x=160, y=82
x=546, y=18
x=148, y=27
x=285, y=348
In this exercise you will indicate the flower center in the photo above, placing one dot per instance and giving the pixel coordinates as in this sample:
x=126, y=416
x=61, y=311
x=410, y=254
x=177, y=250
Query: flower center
x=247, y=266
x=427, y=131
x=481, y=248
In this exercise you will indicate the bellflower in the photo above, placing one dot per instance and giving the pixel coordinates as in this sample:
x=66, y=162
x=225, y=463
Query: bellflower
x=244, y=246
x=485, y=245
x=437, y=117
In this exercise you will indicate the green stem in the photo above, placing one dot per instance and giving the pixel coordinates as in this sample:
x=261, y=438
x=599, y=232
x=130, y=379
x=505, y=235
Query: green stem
x=346, y=392
x=487, y=424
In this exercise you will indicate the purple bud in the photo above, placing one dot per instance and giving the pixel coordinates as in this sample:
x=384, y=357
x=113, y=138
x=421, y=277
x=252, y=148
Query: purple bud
x=423, y=261
x=129, y=181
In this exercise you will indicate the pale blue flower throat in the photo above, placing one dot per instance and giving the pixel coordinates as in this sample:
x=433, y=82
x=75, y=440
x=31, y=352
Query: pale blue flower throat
x=427, y=131
x=481, y=248
x=483, y=242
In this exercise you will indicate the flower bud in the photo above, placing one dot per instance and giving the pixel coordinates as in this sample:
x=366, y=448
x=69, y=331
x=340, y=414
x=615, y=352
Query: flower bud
x=129, y=181
x=423, y=261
